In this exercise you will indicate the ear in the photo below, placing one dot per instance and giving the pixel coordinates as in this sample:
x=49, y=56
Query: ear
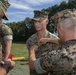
x=61, y=29
x=47, y=21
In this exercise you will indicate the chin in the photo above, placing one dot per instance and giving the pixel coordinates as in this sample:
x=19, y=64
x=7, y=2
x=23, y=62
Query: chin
x=38, y=29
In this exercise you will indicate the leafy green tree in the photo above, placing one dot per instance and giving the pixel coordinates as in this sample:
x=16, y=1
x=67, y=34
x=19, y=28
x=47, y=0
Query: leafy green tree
x=22, y=30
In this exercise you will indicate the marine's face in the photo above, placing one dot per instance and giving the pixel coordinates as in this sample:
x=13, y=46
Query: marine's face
x=40, y=25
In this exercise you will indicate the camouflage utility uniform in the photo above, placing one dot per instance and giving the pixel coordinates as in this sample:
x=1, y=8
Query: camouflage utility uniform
x=33, y=40
x=5, y=34
x=59, y=62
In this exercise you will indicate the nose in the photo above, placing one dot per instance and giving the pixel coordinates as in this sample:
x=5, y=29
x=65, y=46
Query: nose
x=36, y=23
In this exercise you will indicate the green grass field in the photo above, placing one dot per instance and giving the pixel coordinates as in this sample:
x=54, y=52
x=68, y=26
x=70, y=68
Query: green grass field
x=21, y=66
x=19, y=50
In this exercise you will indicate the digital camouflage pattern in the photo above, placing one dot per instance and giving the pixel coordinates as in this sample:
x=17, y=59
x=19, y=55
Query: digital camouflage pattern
x=4, y=31
x=33, y=40
x=6, y=3
x=67, y=13
x=40, y=15
x=4, y=6
x=61, y=61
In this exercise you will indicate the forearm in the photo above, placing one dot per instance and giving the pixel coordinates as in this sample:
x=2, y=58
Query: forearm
x=8, y=44
x=34, y=64
x=54, y=40
x=32, y=59
x=6, y=54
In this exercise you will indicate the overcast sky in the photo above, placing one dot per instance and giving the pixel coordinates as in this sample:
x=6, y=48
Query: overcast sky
x=20, y=9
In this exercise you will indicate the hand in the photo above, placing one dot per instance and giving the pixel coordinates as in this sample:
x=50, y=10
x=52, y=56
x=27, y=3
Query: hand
x=42, y=41
x=3, y=61
x=34, y=48
x=8, y=61
x=12, y=63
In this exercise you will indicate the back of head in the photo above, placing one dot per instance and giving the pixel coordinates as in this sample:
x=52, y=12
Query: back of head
x=66, y=24
x=69, y=23
x=66, y=17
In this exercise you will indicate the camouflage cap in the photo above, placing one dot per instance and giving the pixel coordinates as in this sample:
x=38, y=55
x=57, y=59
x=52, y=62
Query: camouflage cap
x=4, y=5
x=67, y=13
x=40, y=15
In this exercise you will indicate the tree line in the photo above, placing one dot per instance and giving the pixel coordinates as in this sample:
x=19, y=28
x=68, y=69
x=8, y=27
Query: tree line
x=22, y=30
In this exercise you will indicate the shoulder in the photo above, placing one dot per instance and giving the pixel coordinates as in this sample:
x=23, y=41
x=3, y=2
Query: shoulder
x=6, y=30
x=69, y=43
x=5, y=27
x=69, y=47
x=52, y=35
x=68, y=55
x=30, y=41
x=31, y=38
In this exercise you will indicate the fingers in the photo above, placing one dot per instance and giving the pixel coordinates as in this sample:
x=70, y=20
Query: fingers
x=34, y=47
x=39, y=43
x=12, y=64
x=2, y=62
x=42, y=41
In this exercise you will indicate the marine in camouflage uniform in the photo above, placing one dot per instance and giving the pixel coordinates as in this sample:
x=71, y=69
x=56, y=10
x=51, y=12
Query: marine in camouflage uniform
x=5, y=40
x=60, y=61
x=5, y=31
x=34, y=39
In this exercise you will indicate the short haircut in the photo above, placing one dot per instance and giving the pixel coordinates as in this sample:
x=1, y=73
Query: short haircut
x=69, y=23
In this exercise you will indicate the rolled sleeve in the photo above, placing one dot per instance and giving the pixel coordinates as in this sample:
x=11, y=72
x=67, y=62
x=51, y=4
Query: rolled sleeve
x=38, y=67
x=8, y=37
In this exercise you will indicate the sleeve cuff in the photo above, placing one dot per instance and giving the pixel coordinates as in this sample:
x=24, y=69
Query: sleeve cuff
x=38, y=67
x=8, y=37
